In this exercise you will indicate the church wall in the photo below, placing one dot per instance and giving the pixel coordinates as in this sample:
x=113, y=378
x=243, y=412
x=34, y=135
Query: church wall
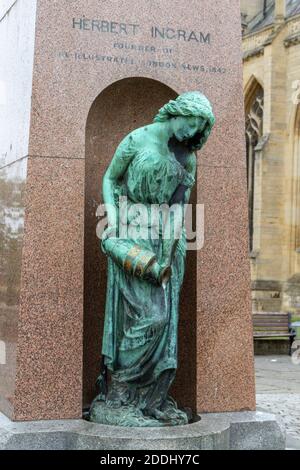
x=276, y=67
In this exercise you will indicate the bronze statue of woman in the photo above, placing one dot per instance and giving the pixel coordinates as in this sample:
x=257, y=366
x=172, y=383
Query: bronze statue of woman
x=153, y=165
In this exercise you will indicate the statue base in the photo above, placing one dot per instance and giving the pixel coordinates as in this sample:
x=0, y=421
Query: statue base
x=218, y=431
x=130, y=416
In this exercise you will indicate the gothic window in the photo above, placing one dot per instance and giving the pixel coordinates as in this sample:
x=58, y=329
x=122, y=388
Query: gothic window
x=296, y=202
x=254, y=132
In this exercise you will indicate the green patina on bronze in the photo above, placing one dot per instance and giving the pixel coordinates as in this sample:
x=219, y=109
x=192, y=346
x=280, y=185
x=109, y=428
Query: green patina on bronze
x=155, y=164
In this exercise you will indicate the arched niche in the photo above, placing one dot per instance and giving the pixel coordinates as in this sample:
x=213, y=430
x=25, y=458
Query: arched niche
x=123, y=106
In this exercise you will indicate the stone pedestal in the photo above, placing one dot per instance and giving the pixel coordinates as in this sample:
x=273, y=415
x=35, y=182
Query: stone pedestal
x=77, y=77
x=220, y=431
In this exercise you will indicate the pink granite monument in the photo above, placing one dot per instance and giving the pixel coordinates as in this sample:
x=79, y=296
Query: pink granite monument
x=88, y=73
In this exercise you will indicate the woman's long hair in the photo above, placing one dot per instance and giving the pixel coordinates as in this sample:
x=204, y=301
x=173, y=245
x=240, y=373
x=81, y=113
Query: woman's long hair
x=190, y=104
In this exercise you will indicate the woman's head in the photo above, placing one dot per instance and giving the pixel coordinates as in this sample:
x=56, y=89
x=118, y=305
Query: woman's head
x=191, y=118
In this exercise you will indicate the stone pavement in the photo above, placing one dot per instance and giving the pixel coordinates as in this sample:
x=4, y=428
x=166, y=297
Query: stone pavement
x=278, y=391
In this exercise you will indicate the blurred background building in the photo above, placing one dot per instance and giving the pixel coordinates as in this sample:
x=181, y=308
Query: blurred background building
x=271, y=49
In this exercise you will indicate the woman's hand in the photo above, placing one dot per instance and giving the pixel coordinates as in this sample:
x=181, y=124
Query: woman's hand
x=178, y=196
x=158, y=274
x=109, y=232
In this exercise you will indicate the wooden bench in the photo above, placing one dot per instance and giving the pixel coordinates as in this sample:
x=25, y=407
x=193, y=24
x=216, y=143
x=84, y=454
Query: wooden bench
x=269, y=325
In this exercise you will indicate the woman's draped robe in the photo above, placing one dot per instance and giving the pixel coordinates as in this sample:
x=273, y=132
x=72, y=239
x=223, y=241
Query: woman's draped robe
x=141, y=319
